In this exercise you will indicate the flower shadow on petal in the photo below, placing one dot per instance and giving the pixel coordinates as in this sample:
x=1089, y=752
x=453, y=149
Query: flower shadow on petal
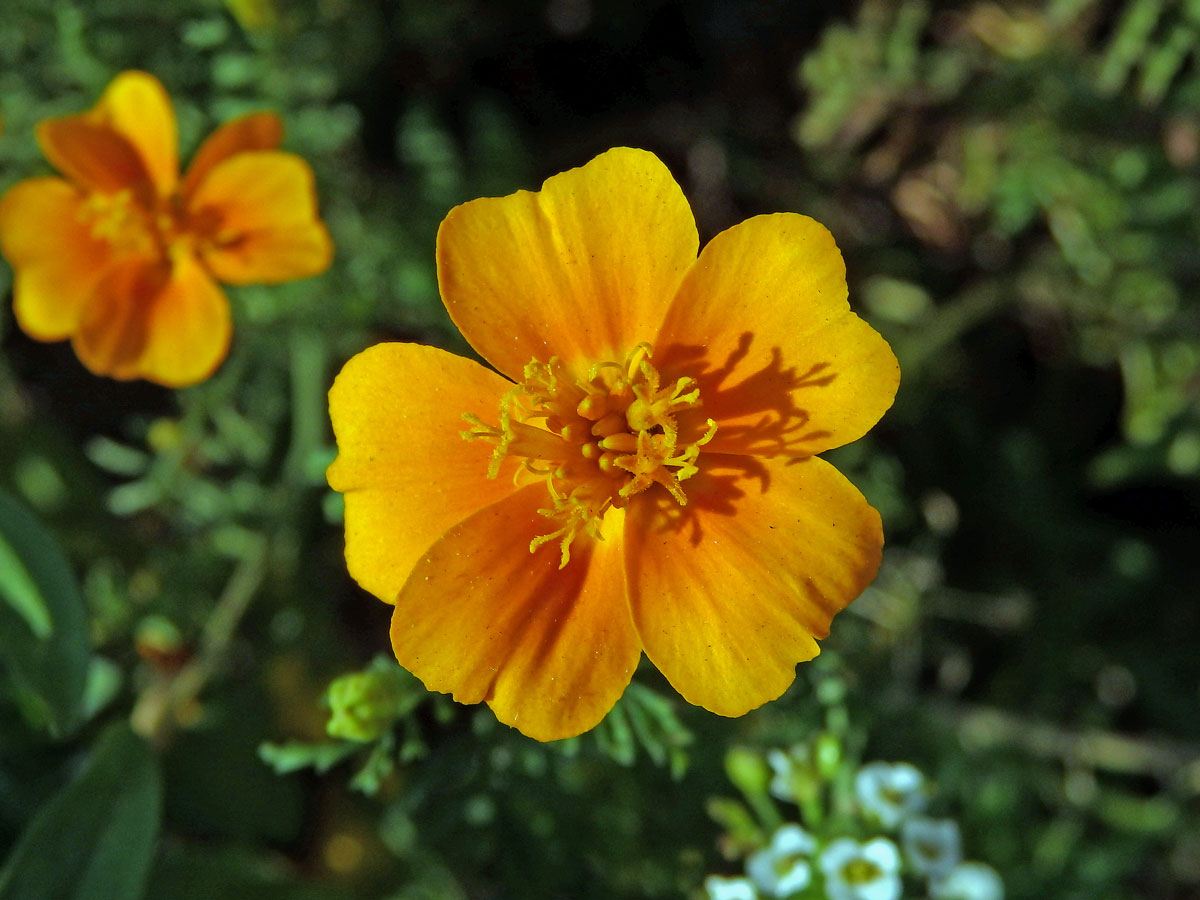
x=719, y=489
x=757, y=415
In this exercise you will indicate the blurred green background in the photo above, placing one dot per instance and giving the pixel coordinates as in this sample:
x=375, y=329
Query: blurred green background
x=1014, y=187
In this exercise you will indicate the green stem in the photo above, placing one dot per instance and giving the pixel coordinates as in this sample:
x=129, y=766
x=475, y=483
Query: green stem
x=157, y=711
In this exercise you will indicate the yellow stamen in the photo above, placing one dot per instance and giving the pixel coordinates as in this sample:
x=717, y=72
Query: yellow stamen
x=595, y=443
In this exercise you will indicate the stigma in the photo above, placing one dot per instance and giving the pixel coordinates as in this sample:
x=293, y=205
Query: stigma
x=595, y=441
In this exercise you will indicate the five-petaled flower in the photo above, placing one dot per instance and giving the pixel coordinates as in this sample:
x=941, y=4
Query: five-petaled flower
x=123, y=256
x=638, y=474
x=890, y=792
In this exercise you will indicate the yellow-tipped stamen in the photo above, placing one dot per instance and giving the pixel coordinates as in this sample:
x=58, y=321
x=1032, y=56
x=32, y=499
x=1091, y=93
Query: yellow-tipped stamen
x=594, y=443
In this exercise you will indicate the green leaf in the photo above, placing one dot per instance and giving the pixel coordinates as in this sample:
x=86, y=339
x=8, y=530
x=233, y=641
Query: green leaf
x=95, y=839
x=614, y=737
x=103, y=683
x=197, y=871
x=19, y=589
x=43, y=624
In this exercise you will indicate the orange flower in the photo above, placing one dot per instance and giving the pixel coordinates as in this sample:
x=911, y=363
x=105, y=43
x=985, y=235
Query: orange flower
x=639, y=476
x=122, y=256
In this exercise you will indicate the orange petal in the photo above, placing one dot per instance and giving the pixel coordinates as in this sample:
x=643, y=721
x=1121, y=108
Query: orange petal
x=484, y=619
x=113, y=327
x=402, y=463
x=256, y=131
x=145, y=321
x=263, y=210
x=188, y=328
x=136, y=105
x=729, y=592
x=783, y=365
x=92, y=155
x=583, y=270
x=57, y=261
x=272, y=255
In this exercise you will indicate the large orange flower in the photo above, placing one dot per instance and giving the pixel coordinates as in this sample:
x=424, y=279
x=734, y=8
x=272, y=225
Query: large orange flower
x=640, y=475
x=123, y=257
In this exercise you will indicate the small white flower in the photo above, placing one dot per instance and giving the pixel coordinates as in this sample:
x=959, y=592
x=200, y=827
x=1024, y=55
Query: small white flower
x=783, y=867
x=932, y=846
x=719, y=887
x=855, y=871
x=784, y=765
x=968, y=881
x=890, y=792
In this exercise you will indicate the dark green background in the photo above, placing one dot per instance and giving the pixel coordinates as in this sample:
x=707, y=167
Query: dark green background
x=1015, y=191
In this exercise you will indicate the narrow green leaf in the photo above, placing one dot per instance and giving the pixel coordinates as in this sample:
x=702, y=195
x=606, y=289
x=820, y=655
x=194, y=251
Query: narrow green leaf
x=615, y=738
x=95, y=839
x=103, y=683
x=21, y=592
x=648, y=735
x=43, y=624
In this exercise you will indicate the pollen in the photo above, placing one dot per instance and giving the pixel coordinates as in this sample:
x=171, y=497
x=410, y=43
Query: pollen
x=594, y=441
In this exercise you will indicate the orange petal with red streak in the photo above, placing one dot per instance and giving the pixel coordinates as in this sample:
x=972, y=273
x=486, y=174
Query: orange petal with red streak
x=188, y=328
x=256, y=131
x=551, y=650
x=137, y=106
x=94, y=156
x=263, y=210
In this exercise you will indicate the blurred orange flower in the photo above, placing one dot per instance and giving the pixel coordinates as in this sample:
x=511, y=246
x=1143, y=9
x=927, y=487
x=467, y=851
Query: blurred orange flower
x=640, y=476
x=122, y=256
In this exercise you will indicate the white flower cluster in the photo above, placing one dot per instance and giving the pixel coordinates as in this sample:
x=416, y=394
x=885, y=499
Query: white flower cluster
x=888, y=798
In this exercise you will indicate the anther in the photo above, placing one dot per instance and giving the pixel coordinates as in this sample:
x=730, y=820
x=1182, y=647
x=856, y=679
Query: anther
x=621, y=442
x=593, y=407
x=610, y=424
x=607, y=463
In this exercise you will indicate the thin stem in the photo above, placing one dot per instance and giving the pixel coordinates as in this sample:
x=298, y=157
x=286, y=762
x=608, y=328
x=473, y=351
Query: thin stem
x=158, y=710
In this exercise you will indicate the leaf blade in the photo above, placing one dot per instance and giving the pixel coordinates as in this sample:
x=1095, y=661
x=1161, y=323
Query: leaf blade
x=44, y=640
x=95, y=838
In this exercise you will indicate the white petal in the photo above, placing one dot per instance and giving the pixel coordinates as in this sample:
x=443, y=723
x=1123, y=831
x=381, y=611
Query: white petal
x=792, y=839
x=882, y=853
x=968, y=881
x=836, y=855
x=721, y=888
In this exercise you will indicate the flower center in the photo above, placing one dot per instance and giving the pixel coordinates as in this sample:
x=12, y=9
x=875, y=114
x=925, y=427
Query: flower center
x=789, y=862
x=861, y=871
x=929, y=850
x=595, y=441
x=130, y=227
